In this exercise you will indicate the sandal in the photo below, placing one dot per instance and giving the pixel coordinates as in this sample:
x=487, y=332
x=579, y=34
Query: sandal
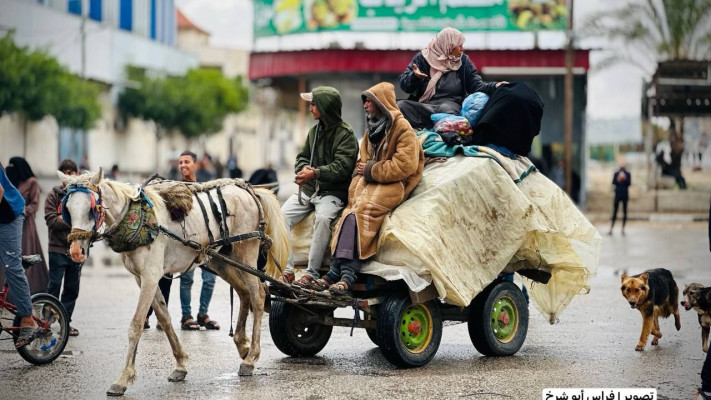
x=305, y=281
x=340, y=287
x=322, y=283
x=73, y=331
x=210, y=325
x=287, y=277
x=187, y=323
x=27, y=335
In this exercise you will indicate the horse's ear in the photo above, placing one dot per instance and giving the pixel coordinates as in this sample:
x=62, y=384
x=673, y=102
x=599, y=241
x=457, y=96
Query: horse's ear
x=98, y=177
x=63, y=177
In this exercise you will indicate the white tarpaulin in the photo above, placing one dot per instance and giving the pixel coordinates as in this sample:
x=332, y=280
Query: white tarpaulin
x=469, y=219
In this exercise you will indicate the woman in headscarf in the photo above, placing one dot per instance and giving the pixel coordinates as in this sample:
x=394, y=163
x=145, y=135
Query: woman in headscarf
x=439, y=78
x=22, y=177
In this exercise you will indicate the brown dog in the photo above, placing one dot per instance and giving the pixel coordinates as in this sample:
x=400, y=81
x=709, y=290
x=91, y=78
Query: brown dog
x=698, y=297
x=654, y=293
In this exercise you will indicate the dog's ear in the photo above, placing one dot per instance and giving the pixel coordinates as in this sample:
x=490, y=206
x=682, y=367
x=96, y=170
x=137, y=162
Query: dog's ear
x=644, y=277
x=624, y=277
x=707, y=294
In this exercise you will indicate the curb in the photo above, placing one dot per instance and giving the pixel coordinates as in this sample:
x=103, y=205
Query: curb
x=651, y=217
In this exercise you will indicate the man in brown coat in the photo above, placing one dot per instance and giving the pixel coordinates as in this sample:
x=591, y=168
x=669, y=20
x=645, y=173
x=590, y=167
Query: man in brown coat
x=390, y=166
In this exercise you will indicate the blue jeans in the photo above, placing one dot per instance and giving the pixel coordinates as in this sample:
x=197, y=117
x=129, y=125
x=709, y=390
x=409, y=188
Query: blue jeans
x=11, y=259
x=61, y=267
x=186, y=284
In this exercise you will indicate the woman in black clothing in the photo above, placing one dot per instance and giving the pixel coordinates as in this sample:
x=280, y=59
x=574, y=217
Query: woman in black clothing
x=439, y=78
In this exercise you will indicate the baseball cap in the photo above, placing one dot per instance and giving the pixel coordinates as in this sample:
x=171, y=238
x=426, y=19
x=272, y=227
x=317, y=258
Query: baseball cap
x=307, y=96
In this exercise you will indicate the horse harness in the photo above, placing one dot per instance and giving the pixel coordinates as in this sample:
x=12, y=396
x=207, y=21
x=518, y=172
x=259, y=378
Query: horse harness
x=139, y=226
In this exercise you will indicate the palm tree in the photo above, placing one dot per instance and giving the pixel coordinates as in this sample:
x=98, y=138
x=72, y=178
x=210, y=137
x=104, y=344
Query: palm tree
x=645, y=32
x=649, y=31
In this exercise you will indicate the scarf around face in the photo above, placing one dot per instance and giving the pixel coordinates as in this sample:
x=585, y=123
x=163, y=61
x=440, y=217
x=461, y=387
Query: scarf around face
x=376, y=129
x=438, y=54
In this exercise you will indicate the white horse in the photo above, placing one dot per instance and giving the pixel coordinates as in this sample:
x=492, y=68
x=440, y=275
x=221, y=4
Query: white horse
x=165, y=255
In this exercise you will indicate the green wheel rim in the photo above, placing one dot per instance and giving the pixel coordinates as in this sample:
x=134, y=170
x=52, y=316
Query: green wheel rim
x=504, y=319
x=416, y=328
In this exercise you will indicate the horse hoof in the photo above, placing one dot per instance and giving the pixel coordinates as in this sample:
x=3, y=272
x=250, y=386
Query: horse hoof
x=246, y=370
x=177, y=376
x=116, y=390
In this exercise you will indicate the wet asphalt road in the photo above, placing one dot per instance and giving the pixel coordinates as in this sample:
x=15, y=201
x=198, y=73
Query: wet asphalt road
x=591, y=346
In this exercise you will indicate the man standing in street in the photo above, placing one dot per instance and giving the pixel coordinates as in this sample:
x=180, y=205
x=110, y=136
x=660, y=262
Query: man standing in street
x=622, y=180
x=323, y=171
x=187, y=165
x=61, y=266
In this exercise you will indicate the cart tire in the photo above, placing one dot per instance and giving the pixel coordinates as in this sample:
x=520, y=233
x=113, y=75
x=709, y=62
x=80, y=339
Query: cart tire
x=292, y=336
x=372, y=335
x=50, y=343
x=408, y=335
x=498, y=320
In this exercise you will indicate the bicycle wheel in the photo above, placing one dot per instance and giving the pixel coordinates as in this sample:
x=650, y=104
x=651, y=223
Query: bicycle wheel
x=51, y=342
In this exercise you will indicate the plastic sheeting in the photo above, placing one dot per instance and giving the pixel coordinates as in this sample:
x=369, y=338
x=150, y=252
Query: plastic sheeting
x=470, y=218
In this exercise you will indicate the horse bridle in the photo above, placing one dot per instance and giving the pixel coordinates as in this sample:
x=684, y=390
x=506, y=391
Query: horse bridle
x=97, y=211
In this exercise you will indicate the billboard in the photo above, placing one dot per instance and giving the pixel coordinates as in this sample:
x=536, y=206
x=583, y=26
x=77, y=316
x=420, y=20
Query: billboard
x=284, y=17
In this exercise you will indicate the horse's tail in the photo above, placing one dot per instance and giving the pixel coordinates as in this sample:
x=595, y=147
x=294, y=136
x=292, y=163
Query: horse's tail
x=278, y=254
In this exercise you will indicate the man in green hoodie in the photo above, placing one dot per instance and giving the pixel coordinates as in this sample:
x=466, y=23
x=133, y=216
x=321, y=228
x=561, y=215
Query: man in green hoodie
x=324, y=167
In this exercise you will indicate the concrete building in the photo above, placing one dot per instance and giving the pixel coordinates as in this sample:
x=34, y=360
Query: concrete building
x=95, y=39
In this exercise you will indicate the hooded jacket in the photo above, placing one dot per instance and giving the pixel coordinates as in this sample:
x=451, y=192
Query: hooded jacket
x=393, y=169
x=58, y=229
x=331, y=147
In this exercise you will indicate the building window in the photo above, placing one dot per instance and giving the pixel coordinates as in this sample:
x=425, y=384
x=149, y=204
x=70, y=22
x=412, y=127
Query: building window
x=153, y=19
x=74, y=6
x=95, y=10
x=126, y=15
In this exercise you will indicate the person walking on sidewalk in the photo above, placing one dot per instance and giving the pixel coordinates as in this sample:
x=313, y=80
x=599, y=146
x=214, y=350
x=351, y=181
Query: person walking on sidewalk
x=323, y=171
x=187, y=163
x=61, y=266
x=622, y=180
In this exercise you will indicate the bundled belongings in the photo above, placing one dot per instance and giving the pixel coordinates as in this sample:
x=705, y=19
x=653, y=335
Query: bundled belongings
x=511, y=118
x=473, y=105
x=472, y=218
x=445, y=123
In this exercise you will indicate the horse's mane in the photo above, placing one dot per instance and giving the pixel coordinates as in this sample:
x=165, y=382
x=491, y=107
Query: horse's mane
x=131, y=191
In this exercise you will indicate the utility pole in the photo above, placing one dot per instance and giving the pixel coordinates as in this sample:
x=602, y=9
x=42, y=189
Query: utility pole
x=568, y=103
x=82, y=73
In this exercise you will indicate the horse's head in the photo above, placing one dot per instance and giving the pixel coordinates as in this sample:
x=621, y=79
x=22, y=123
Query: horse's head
x=82, y=210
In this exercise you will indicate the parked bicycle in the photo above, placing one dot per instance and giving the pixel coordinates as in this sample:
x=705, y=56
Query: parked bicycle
x=48, y=313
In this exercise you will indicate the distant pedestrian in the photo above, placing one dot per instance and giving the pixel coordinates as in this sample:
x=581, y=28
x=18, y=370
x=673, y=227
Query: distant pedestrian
x=264, y=175
x=233, y=167
x=61, y=266
x=558, y=174
x=113, y=175
x=622, y=180
x=22, y=177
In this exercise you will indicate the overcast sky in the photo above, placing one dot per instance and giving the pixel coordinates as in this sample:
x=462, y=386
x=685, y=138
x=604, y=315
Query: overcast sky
x=612, y=93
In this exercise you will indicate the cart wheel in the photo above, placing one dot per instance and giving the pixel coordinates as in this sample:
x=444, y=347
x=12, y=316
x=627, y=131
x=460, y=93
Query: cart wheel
x=371, y=332
x=51, y=342
x=294, y=337
x=498, y=320
x=408, y=335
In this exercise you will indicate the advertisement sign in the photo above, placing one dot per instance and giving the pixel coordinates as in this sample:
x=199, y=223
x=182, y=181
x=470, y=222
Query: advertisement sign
x=284, y=17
